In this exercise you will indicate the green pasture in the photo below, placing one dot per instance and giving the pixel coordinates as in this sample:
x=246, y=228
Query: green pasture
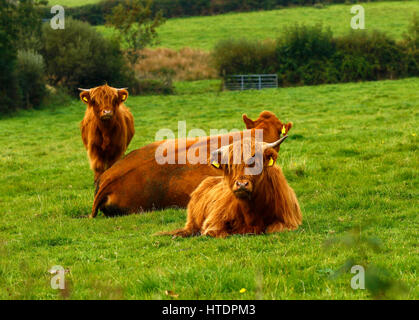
x=351, y=158
x=392, y=18
x=72, y=3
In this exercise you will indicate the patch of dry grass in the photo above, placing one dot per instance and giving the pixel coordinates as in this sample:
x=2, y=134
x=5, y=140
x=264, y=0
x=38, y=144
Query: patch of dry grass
x=186, y=64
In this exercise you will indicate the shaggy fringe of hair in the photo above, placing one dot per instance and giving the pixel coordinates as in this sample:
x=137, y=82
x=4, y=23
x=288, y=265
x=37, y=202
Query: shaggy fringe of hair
x=104, y=94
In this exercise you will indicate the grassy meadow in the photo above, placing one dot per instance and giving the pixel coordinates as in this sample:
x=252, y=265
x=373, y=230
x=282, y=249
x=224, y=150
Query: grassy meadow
x=351, y=158
x=392, y=18
x=72, y=3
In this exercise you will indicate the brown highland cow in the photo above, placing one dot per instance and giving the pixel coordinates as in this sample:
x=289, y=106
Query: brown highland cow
x=107, y=127
x=239, y=202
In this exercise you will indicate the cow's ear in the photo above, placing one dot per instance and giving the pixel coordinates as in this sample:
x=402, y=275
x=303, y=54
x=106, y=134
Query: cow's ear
x=285, y=128
x=269, y=157
x=216, y=164
x=85, y=96
x=215, y=160
x=123, y=95
x=250, y=124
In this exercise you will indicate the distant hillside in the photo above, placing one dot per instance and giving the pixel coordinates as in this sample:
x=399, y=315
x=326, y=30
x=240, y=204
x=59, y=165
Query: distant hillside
x=72, y=3
x=203, y=32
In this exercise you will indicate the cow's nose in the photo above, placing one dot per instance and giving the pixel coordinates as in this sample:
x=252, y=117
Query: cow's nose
x=243, y=184
x=107, y=111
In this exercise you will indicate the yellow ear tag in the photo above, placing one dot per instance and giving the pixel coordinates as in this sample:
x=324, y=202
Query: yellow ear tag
x=283, y=130
x=215, y=164
x=124, y=97
x=84, y=99
x=271, y=162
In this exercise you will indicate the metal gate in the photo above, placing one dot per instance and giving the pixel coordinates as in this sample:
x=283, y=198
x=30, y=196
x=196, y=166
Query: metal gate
x=251, y=81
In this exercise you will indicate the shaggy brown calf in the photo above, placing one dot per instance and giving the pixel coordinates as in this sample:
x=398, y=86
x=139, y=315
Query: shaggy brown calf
x=107, y=127
x=138, y=183
x=239, y=202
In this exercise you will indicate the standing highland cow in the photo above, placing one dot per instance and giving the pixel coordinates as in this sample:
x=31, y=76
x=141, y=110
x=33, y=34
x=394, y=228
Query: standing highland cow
x=242, y=202
x=107, y=127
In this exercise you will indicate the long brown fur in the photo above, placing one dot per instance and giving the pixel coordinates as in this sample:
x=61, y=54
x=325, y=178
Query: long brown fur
x=138, y=183
x=105, y=139
x=215, y=210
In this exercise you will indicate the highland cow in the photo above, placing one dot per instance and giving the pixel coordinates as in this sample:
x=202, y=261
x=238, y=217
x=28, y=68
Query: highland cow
x=107, y=127
x=240, y=202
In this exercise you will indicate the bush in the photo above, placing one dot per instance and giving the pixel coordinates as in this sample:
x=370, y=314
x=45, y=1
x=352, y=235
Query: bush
x=244, y=57
x=307, y=56
x=303, y=55
x=370, y=56
x=78, y=56
x=31, y=75
x=411, y=43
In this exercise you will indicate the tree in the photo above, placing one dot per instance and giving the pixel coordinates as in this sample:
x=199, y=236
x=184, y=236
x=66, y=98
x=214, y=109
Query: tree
x=79, y=56
x=20, y=29
x=9, y=91
x=136, y=25
x=28, y=15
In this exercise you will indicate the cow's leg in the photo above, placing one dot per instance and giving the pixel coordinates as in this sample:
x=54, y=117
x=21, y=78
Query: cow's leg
x=249, y=230
x=216, y=233
x=183, y=233
x=276, y=227
x=214, y=228
x=97, y=165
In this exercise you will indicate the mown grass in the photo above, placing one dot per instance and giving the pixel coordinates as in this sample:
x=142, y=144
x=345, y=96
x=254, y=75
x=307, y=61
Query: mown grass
x=352, y=160
x=392, y=18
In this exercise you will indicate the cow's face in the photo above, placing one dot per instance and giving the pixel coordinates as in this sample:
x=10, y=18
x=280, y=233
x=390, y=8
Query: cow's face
x=241, y=177
x=104, y=100
x=272, y=127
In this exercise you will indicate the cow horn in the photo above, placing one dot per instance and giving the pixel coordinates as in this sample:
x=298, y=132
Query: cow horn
x=121, y=89
x=81, y=89
x=218, y=151
x=274, y=144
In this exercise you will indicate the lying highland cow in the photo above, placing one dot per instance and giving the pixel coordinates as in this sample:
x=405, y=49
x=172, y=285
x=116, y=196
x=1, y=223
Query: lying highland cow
x=139, y=183
x=107, y=127
x=241, y=202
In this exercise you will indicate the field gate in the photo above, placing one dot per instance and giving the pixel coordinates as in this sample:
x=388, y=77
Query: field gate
x=250, y=81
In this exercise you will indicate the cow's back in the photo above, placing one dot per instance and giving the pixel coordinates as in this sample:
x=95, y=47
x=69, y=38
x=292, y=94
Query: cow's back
x=138, y=183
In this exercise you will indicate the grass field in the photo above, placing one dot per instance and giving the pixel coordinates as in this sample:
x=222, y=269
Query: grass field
x=204, y=32
x=352, y=160
x=72, y=3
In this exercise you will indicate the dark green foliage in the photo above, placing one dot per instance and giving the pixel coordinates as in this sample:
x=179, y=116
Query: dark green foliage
x=29, y=19
x=95, y=14
x=231, y=56
x=21, y=79
x=136, y=25
x=310, y=55
x=370, y=56
x=303, y=55
x=411, y=41
x=9, y=90
x=31, y=75
x=78, y=56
